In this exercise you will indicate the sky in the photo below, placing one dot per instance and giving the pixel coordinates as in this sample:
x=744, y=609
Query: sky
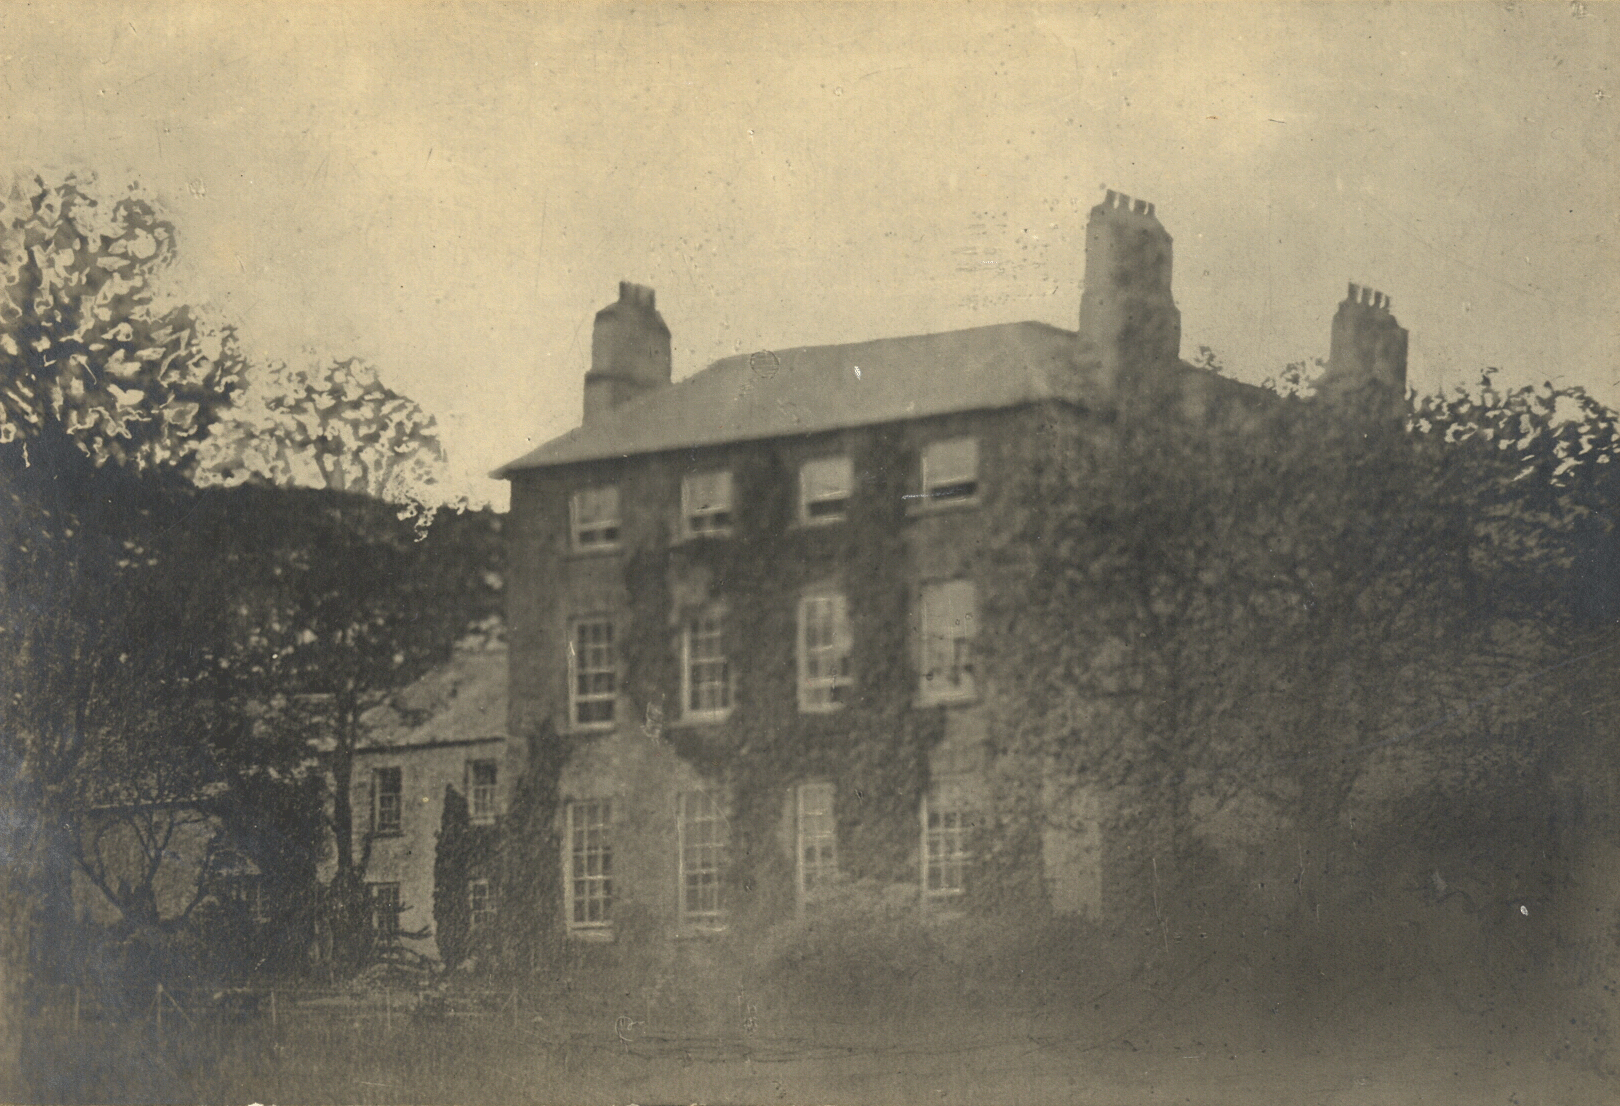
x=452, y=191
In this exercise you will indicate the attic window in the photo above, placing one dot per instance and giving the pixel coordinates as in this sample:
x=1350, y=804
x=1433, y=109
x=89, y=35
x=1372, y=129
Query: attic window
x=950, y=470
x=824, y=489
x=596, y=517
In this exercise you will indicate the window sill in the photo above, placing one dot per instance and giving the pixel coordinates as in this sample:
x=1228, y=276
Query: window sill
x=598, y=935
x=705, y=535
x=820, y=708
x=802, y=523
x=705, y=718
x=925, y=506
x=700, y=931
x=936, y=699
x=586, y=729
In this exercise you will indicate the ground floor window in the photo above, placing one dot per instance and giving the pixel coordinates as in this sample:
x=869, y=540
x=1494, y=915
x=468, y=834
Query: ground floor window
x=816, y=838
x=244, y=892
x=947, y=826
x=385, y=911
x=702, y=840
x=589, y=886
x=480, y=904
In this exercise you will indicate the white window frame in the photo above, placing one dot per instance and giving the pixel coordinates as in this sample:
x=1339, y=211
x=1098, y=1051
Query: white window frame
x=831, y=504
x=945, y=479
x=594, y=525
x=707, y=516
x=394, y=825
x=577, y=672
x=824, y=691
x=483, y=799
x=815, y=838
x=480, y=919
x=703, y=631
x=588, y=831
x=948, y=624
x=701, y=858
x=945, y=821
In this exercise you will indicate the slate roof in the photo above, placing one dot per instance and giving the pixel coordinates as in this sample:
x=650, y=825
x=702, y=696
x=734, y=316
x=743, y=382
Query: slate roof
x=460, y=701
x=815, y=388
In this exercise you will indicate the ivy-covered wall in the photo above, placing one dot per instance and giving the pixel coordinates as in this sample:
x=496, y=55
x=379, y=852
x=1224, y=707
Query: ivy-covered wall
x=880, y=750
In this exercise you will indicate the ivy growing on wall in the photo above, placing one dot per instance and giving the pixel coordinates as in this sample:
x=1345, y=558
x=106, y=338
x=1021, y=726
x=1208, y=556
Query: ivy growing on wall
x=875, y=749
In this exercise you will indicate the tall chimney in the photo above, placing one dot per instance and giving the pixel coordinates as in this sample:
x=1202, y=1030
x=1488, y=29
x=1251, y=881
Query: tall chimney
x=1127, y=311
x=1367, y=358
x=630, y=352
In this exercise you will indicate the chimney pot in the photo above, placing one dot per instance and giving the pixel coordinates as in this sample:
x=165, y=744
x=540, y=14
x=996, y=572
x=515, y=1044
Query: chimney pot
x=1140, y=207
x=1110, y=199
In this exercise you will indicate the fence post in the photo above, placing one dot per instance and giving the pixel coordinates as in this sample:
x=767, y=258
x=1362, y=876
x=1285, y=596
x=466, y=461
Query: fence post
x=75, y=1006
x=272, y=1008
x=158, y=1001
x=388, y=1012
x=514, y=1008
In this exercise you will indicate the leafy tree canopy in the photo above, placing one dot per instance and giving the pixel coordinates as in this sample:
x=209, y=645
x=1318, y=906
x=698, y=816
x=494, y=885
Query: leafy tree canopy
x=90, y=351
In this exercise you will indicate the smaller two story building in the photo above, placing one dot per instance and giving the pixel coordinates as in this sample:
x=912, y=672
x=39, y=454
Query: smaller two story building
x=445, y=730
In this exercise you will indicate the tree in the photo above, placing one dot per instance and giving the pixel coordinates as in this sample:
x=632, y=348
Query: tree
x=530, y=879
x=451, y=871
x=334, y=426
x=463, y=853
x=354, y=609
x=1244, y=603
x=105, y=392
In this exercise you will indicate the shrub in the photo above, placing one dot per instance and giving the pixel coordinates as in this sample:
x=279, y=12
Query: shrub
x=862, y=942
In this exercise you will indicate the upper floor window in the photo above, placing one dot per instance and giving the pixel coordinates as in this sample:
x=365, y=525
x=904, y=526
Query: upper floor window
x=481, y=799
x=596, y=517
x=702, y=841
x=706, y=504
x=815, y=838
x=705, y=671
x=824, y=652
x=824, y=489
x=589, y=887
x=950, y=470
x=387, y=800
x=949, y=623
x=593, y=661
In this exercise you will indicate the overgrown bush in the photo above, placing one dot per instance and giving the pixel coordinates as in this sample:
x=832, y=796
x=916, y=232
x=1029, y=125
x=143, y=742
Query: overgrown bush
x=862, y=943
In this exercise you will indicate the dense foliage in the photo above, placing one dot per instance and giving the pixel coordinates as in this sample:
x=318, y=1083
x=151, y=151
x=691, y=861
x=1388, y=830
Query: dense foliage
x=171, y=657
x=1234, y=616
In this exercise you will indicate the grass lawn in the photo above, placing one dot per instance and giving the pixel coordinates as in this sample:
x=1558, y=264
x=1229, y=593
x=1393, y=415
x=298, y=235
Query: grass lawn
x=1195, y=1042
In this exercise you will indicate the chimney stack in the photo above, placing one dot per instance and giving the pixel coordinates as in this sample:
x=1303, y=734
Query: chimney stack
x=1127, y=312
x=630, y=351
x=1367, y=358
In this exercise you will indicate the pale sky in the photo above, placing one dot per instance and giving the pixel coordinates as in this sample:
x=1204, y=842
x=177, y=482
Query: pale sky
x=453, y=191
